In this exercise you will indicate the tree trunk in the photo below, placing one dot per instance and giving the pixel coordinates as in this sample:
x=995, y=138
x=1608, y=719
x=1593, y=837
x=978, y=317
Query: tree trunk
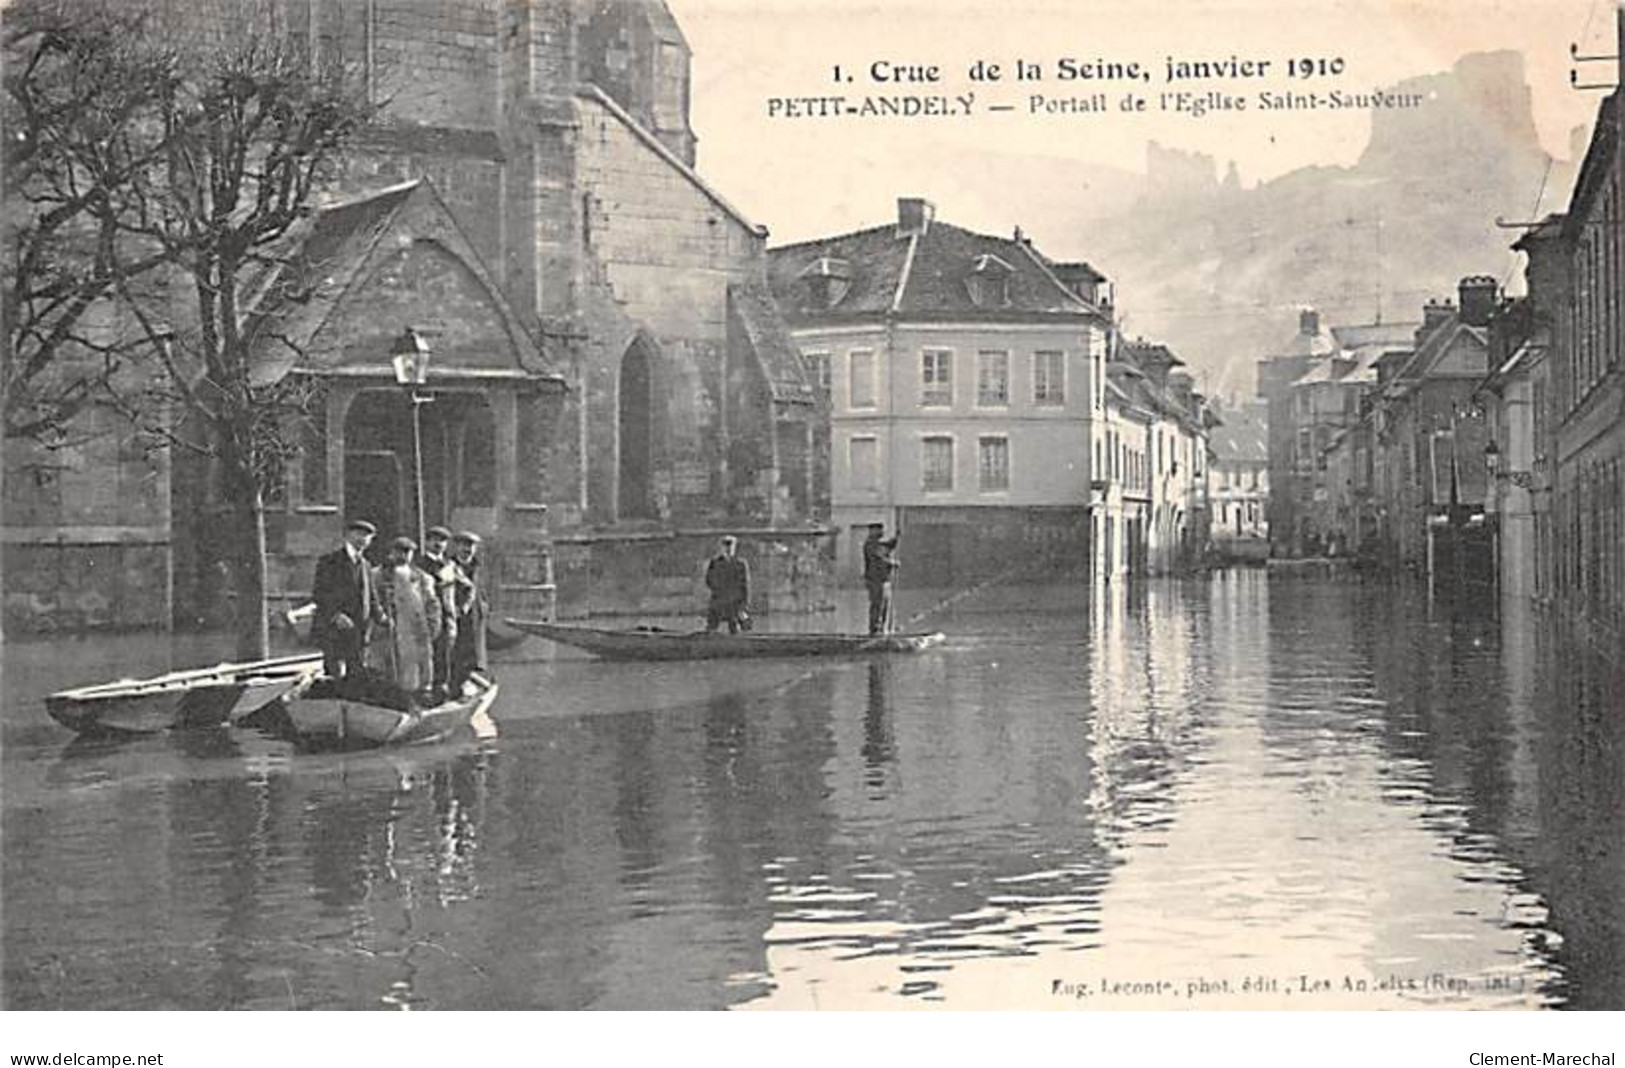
x=255, y=636
x=253, y=621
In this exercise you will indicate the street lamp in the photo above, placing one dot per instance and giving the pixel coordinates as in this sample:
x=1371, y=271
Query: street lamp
x=410, y=357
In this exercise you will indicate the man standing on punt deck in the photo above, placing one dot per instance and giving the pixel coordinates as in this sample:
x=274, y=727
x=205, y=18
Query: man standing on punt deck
x=728, y=579
x=346, y=602
x=879, y=566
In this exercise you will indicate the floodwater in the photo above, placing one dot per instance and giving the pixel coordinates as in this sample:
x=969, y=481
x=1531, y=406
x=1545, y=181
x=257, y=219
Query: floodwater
x=1228, y=792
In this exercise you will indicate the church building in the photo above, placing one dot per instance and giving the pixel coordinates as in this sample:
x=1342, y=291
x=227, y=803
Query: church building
x=610, y=386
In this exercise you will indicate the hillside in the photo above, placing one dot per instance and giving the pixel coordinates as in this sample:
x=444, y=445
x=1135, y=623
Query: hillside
x=1219, y=271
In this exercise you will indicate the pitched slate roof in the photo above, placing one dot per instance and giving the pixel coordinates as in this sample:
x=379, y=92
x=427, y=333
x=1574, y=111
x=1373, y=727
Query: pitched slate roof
x=921, y=275
x=328, y=259
x=1243, y=437
x=1321, y=371
x=1127, y=384
x=1144, y=352
x=1436, y=345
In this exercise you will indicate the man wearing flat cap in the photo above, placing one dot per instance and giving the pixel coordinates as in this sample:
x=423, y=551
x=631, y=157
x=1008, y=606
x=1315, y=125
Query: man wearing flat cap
x=414, y=610
x=879, y=567
x=444, y=572
x=728, y=579
x=468, y=649
x=347, y=605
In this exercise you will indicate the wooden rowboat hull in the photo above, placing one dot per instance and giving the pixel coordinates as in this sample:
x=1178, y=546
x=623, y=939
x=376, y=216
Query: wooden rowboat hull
x=654, y=644
x=197, y=697
x=337, y=722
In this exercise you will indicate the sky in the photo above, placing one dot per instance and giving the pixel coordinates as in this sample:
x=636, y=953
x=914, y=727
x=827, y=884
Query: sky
x=802, y=177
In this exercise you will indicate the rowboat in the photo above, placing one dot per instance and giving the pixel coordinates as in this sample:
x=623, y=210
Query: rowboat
x=196, y=697
x=654, y=643
x=322, y=721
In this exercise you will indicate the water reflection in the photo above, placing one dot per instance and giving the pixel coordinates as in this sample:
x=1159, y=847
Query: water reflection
x=1191, y=783
x=879, y=741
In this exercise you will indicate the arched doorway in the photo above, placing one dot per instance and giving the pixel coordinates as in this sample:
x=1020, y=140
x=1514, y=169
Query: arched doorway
x=635, y=499
x=459, y=459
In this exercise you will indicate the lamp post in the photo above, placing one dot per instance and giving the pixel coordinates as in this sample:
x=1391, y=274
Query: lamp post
x=410, y=357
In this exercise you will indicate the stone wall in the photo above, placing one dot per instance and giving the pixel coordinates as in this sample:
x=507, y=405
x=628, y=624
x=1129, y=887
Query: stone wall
x=664, y=574
x=86, y=532
x=658, y=255
x=435, y=61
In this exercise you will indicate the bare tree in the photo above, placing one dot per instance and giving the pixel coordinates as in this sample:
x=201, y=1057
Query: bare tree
x=81, y=85
x=229, y=125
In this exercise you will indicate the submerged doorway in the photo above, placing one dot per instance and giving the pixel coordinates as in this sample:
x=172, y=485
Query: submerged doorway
x=459, y=459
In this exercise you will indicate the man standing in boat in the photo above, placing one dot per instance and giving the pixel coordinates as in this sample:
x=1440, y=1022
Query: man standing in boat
x=414, y=612
x=468, y=648
x=728, y=579
x=879, y=566
x=434, y=562
x=346, y=602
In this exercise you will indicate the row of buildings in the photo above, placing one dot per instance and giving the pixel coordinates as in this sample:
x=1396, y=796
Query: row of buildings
x=1377, y=439
x=981, y=400
x=620, y=369
x=1485, y=444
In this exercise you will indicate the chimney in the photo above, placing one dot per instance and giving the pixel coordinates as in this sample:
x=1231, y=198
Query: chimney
x=1478, y=295
x=914, y=216
x=1434, y=314
x=1309, y=322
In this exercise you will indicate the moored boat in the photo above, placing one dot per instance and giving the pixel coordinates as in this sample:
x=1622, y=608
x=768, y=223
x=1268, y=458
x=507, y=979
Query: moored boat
x=653, y=643
x=195, y=697
x=326, y=720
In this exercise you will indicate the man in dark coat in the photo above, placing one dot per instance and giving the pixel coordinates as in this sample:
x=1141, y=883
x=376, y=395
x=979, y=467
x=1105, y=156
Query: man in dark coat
x=468, y=649
x=347, y=605
x=879, y=565
x=728, y=579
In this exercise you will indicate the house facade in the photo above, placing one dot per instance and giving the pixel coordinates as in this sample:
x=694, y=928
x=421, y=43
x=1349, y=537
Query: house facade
x=1430, y=434
x=1238, y=484
x=1517, y=400
x=1169, y=462
x=963, y=375
x=1310, y=346
x=1587, y=378
x=1313, y=392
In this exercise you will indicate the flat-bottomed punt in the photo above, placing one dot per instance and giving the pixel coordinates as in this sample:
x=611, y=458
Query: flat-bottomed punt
x=346, y=722
x=196, y=697
x=652, y=643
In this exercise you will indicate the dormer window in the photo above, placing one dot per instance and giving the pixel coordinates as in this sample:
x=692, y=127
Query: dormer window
x=825, y=281
x=989, y=282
